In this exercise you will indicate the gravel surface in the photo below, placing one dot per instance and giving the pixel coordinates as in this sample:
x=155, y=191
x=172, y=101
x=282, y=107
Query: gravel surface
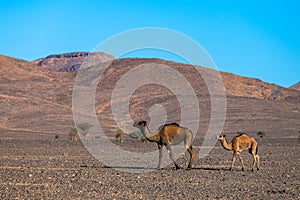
x=45, y=168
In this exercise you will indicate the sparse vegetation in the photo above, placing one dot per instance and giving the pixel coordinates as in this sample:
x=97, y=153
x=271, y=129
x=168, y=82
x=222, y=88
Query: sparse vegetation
x=84, y=128
x=119, y=136
x=143, y=139
x=138, y=134
x=73, y=134
x=261, y=134
x=135, y=134
x=56, y=137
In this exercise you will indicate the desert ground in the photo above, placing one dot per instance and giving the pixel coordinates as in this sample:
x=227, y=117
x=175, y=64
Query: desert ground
x=38, y=166
x=36, y=105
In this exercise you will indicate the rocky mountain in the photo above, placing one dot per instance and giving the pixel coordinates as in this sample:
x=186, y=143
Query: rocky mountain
x=235, y=85
x=251, y=103
x=70, y=62
x=36, y=99
x=296, y=86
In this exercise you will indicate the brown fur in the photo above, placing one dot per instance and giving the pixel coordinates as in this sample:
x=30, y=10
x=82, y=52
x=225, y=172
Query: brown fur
x=237, y=145
x=167, y=135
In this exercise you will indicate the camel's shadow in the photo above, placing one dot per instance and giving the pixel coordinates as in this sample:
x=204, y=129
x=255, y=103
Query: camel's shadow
x=126, y=167
x=207, y=168
x=212, y=168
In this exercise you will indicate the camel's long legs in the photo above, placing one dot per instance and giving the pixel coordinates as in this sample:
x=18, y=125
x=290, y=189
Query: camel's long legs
x=242, y=163
x=171, y=156
x=233, y=161
x=255, y=162
x=160, y=155
x=192, y=156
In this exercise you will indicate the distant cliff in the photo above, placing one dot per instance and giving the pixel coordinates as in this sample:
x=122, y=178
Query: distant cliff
x=70, y=62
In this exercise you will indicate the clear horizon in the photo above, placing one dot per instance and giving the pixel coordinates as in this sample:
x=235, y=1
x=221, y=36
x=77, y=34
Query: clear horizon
x=253, y=39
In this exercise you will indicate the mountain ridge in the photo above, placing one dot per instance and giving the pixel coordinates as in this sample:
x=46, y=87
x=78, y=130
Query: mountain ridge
x=70, y=62
x=245, y=87
x=34, y=98
x=295, y=86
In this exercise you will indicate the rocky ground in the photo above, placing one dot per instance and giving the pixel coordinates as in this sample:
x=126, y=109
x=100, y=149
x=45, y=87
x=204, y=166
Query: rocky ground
x=37, y=166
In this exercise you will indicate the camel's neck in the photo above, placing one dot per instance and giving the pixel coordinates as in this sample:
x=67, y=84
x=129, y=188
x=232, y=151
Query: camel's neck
x=226, y=145
x=152, y=137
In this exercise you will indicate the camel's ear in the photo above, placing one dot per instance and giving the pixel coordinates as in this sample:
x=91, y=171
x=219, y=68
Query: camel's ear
x=224, y=135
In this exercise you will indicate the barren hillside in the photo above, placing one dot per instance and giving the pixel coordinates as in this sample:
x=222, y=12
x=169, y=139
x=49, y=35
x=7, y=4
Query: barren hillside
x=235, y=85
x=252, y=105
x=35, y=99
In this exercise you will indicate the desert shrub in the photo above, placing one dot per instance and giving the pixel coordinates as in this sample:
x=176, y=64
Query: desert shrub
x=138, y=135
x=135, y=134
x=56, y=137
x=73, y=131
x=120, y=131
x=73, y=134
x=261, y=134
x=119, y=136
x=143, y=139
x=84, y=128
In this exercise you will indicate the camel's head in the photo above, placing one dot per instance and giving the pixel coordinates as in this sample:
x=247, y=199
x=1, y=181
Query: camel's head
x=140, y=124
x=221, y=137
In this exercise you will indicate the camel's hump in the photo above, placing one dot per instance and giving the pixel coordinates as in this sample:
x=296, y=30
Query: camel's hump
x=172, y=124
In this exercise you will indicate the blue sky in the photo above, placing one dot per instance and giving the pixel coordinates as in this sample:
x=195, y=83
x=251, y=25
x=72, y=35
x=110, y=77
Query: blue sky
x=257, y=39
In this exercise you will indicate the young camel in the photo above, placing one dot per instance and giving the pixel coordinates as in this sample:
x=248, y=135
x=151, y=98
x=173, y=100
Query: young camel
x=167, y=135
x=238, y=144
